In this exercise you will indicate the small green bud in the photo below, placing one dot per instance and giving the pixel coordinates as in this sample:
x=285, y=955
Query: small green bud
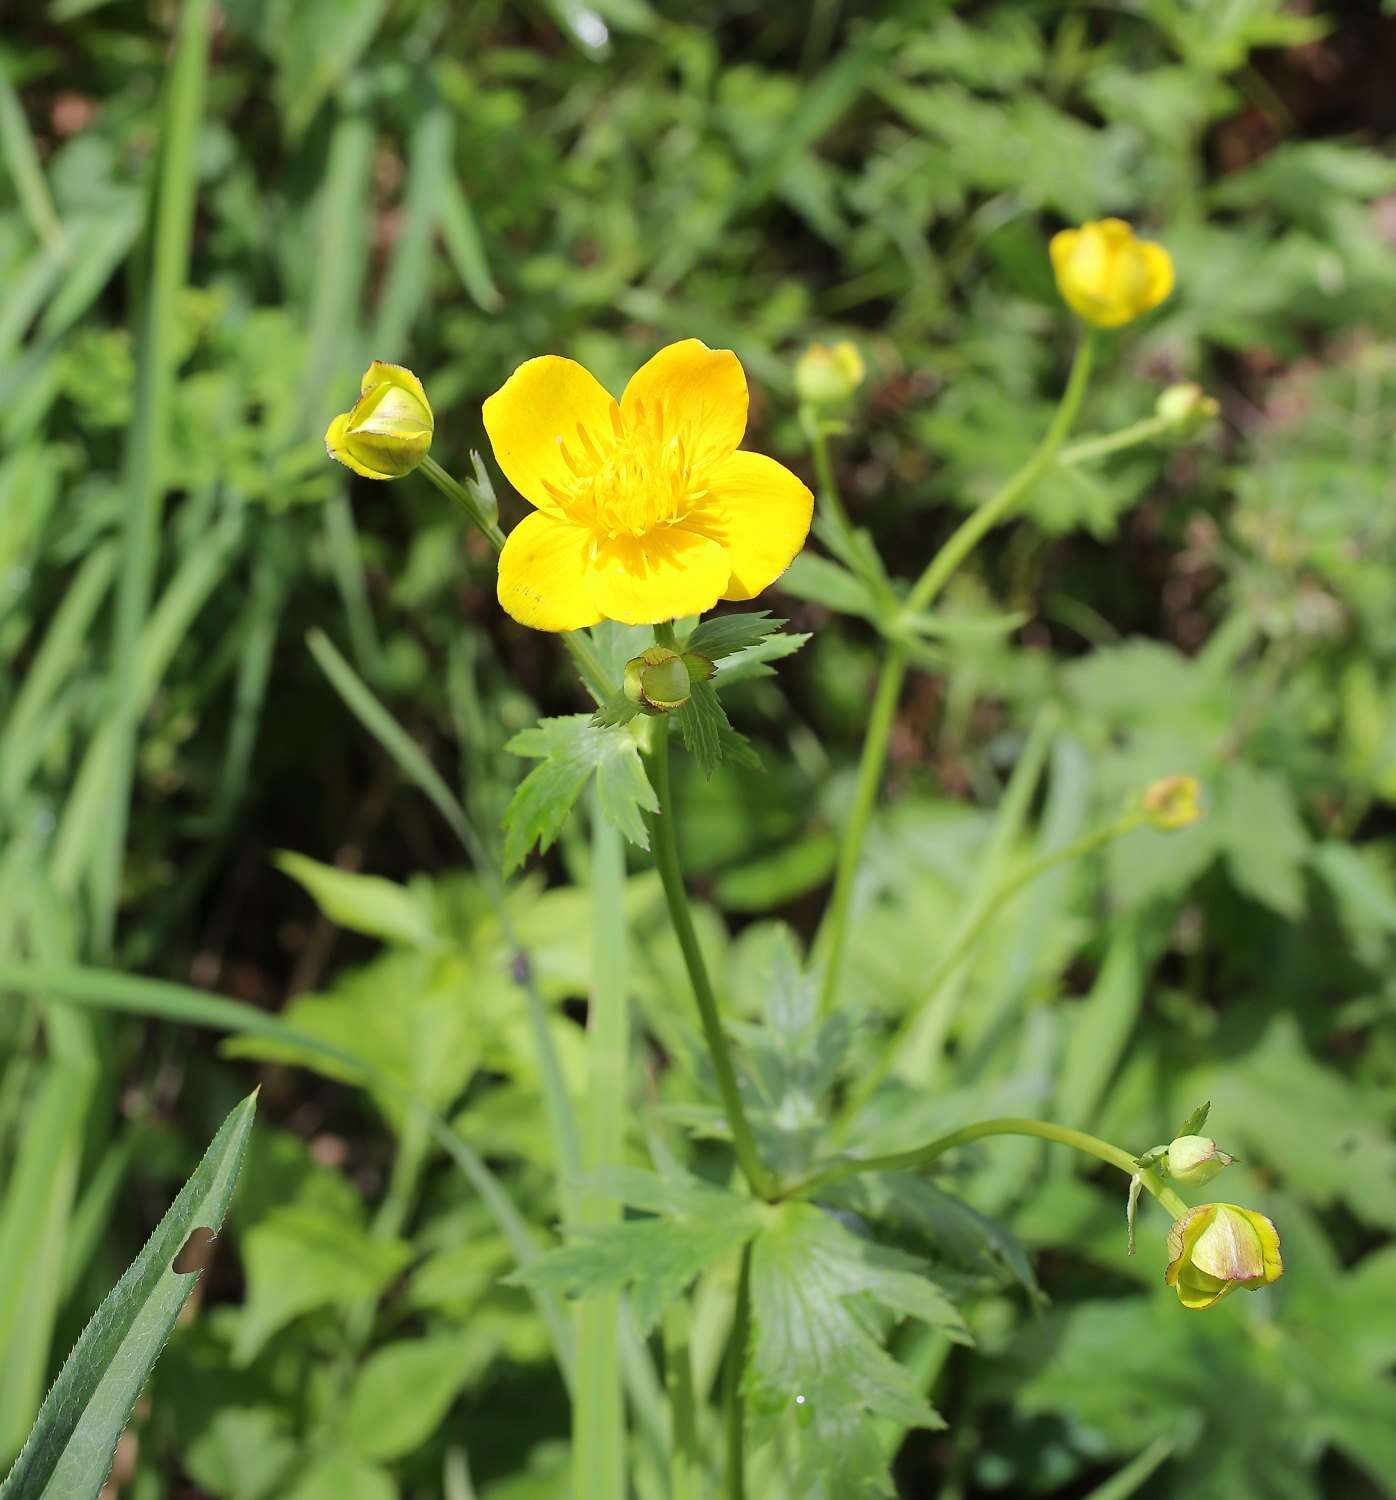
x=1194, y=1160
x=660, y=680
x=1186, y=407
x=389, y=430
x=827, y=375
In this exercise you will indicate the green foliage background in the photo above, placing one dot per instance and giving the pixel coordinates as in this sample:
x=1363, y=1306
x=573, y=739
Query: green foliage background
x=458, y=187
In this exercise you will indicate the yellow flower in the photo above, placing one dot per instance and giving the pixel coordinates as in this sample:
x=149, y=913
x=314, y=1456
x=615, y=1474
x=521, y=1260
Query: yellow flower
x=646, y=511
x=388, y=433
x=1173, y=802
x=1216, y=1247
x=1107, y=275
x=828, y=374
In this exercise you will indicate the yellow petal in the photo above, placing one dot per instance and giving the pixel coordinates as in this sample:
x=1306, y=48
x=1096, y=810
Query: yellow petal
x=1229, y=1248
x=1269, y=1238
x=337, y=446
x=543, y=574
x=663, y=575
x=1158, y=265
x=698, y=395
x=760, y=512
x=541, y=421
x=380, y=372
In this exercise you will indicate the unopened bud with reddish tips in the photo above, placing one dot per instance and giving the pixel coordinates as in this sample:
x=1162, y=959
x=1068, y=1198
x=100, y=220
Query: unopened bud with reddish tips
x=828, y=374
x=1173, y=802
x=660, y=680
x=1217, y=1247
x=1194, y=1160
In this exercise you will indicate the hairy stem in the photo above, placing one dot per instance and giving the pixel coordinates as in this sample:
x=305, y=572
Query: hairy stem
x=922, y=1156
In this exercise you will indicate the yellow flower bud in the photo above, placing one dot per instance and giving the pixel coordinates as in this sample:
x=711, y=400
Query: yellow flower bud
x=1108, y=276
x=1186, y=407
x=1194, y=1160
x=1216, y=1247
x=388, y=432
x=827, y=375
x=1173, y=802
x=660, y=680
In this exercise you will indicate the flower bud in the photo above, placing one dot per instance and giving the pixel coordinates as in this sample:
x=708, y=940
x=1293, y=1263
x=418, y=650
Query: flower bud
x=660, y=680
x=1216, y=1247
x=1173, y=802
x=827, y=375
x=388, y=432
x=1194, y=1160
x=1186, y=407
x=1107, y=275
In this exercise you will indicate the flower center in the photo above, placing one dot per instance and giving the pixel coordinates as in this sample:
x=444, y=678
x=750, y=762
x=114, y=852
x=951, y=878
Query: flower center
x=629, y=481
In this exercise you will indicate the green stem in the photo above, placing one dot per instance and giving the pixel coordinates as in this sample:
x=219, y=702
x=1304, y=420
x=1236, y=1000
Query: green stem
x=870, y=765
x=1088, y=449
x=666, y=858
x=922, y=1156
x=937, y=574
x=733, y=1398
x=967, y=536
x=454, y=490
x=869, y=1083
x=830, y=500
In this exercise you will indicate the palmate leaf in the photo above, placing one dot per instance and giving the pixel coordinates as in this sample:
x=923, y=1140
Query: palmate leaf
x=656, y=1258
x=821, y=1300
x=69, y=1452
x=707, y=735
x=572, y=749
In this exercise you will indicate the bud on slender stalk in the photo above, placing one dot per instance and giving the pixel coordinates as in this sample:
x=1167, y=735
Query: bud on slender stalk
x=389, y=430
x=1186, y=407
x=827, y=375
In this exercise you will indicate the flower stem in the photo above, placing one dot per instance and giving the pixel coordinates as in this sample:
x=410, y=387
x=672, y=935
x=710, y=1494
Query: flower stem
x=454, y=490
x=666, y=859
x=922, y=1156
x=1086, y=449
x=869, y=1083
x=936, y=575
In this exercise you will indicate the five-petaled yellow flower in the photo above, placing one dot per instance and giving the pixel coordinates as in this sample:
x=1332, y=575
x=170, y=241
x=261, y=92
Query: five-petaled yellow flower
x=388, y=432
x=1107, y=275
x=1216, y=1247
x=646, y=510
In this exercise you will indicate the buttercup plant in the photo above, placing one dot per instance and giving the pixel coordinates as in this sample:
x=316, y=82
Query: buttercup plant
x=645, y=515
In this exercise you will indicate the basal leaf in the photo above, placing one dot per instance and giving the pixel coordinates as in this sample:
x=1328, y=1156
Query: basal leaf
x=69, y=1452
x=822, y=1301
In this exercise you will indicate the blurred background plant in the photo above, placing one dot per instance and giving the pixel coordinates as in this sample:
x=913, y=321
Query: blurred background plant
x=460, y=187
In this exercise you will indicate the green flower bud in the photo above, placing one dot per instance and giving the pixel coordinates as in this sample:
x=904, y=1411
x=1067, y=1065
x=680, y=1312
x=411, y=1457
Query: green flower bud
x=827, y=375
x=1216, y=1247
x=1173, y=802
x=1186, y=407
x=388, y=432
x=660, y=680
x=1194, y=1160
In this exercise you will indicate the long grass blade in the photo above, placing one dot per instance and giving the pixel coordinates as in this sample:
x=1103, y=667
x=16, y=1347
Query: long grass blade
x=145, y=468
